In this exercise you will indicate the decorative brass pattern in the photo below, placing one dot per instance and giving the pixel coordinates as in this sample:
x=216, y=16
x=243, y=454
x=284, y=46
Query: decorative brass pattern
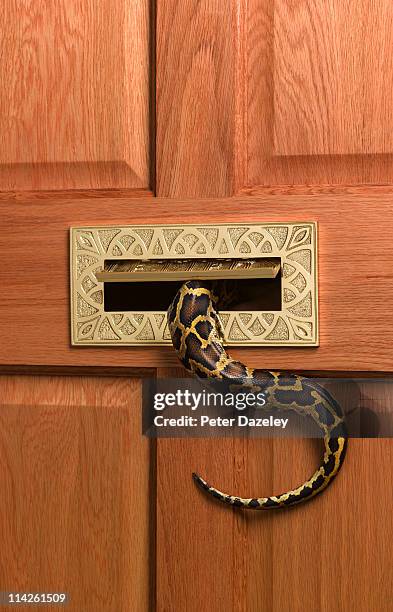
x=142, y=270
x=295, y=243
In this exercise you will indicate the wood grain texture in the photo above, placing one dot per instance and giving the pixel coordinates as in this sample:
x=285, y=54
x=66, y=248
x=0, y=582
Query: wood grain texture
x=355, y=260
x=334, y=189
x=337, y=547
x=198, y=46
x=331, y=78
x=74, y=473
x=72, y=194
x=318, y=106
x=272, y=94
x=74, y=111
x=197, y=559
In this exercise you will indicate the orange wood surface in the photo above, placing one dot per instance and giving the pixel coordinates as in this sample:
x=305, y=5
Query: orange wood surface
x=75, y=109
x=285, y=104
x=331, y=89
x=355, y=289
x=197, y=111
x=316, y=92
x=272, y=93
x=76, y=492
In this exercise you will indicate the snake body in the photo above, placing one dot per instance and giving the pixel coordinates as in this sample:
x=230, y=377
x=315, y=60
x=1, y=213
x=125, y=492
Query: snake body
x=195, y=332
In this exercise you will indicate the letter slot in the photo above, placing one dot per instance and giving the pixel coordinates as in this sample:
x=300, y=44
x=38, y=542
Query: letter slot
x=124, y=278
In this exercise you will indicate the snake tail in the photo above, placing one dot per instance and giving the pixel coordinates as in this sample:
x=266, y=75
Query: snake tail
x=195, y=331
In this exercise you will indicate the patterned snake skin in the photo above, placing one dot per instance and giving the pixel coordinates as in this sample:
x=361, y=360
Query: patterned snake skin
x=195, y=332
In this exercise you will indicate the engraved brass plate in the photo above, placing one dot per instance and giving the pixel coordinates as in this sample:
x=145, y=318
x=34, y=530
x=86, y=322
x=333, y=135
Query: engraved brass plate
x=138, y=270
x=93, y=248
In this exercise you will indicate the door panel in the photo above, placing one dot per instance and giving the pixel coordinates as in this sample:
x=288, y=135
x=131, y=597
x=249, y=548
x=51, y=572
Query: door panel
x=329, y=88
x=318, y=105
x=273, y=94
x=75, y=112
x=76, y=491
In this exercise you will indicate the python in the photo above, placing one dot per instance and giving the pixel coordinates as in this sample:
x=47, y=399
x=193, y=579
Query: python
x=195, y=331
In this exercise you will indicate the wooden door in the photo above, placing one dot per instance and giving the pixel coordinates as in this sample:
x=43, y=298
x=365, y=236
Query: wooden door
x=183, y=111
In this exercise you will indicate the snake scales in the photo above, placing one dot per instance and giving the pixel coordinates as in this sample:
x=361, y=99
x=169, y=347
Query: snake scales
x=195, y=332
